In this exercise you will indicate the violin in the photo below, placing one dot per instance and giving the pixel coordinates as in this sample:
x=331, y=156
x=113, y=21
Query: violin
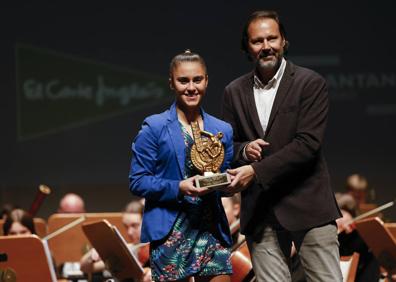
x=143, y=253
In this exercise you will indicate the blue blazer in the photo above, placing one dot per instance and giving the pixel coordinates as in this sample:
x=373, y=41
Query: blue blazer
x=157, y=168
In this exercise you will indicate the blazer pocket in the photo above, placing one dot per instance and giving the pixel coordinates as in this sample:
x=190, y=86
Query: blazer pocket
x=288, y=109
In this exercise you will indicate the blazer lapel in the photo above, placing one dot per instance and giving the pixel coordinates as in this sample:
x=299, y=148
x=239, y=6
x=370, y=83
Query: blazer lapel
x=209, y=123
x=281, y=94
x=250, y=105
x=175, y=134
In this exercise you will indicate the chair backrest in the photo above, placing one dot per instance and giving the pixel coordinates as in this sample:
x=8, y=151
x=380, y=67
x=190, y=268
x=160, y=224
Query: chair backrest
x=72, y=244
x=39, y=224
x=349, y=266
x=365, y=207
x=27, y=257
x=41, y=227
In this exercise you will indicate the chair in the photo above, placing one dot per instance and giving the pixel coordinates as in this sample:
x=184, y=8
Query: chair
x=365, y=207
x=41, y=227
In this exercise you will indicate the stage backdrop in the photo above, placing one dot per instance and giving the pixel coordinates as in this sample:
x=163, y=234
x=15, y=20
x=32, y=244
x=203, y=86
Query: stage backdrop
x=77, y=81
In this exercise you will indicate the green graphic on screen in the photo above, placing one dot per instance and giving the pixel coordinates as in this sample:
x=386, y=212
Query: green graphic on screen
x=56, y=92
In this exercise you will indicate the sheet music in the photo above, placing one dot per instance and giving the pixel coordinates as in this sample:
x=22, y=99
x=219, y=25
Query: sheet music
x=345, y=266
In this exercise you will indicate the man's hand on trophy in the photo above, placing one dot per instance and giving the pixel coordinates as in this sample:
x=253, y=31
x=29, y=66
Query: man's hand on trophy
x=187, y=188
x=241, y=178
x=253, y=150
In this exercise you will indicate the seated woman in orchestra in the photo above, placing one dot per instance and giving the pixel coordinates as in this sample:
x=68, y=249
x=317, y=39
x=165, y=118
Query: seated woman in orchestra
x=19, y=222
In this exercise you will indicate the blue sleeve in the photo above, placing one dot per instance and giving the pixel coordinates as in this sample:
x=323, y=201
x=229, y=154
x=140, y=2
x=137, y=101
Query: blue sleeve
x=144, y=179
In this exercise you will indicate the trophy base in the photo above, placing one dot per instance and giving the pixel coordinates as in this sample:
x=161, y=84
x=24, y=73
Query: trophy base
x=213, y=180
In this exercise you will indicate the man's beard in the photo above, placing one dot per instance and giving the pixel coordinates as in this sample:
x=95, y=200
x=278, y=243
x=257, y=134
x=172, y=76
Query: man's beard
x=273, y=64
x=268, y=65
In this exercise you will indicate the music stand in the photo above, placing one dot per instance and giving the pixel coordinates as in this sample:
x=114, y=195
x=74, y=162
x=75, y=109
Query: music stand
x=28, y=257
x=380, y=241
x=113, y=250
x=71, y=245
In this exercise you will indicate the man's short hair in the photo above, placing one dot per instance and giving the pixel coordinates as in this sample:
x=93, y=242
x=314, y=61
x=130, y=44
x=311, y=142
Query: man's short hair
x=134, y=206
x=356, y=182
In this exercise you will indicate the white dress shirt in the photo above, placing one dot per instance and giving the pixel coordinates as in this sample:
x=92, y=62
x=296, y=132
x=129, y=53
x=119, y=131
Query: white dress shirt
x=264, y=95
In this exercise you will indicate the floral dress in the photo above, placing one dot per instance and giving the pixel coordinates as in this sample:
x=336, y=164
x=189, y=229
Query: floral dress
x=192, y=248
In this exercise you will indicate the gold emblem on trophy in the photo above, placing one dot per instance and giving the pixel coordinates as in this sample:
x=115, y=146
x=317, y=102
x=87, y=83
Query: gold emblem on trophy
x=207, y=155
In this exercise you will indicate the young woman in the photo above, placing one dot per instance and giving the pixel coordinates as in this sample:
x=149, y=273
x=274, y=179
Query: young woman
x=186, y=225
x=19, y=222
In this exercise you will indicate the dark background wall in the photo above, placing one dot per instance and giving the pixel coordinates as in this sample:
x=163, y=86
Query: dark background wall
x=351, y=44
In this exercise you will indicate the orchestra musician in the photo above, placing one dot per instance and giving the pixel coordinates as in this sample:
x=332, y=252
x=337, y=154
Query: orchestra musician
x=19, y=222
x=71, y=203
x=350, y=240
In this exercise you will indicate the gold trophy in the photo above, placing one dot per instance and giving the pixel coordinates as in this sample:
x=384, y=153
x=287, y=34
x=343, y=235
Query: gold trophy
x=207, y=155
